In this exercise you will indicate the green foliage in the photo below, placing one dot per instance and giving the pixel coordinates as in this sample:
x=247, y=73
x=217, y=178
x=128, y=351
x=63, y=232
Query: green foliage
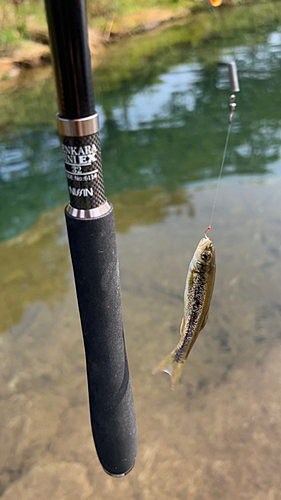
x=134, y=62
x=14, y=15
x=3, y=77
x=13, y=20
x=102, y=8
x=8, y=36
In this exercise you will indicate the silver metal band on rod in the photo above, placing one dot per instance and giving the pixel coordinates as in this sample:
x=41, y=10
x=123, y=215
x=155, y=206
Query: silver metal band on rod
x=93, y=213
x=79, y=127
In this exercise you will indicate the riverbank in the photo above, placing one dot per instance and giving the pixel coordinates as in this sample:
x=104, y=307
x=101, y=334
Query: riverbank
x=32, y=50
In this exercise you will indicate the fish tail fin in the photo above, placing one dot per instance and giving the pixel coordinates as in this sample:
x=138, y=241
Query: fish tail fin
x=178, y=368
x=171, y=366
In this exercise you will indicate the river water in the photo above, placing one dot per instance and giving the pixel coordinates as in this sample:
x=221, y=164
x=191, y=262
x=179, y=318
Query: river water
x=218, y=435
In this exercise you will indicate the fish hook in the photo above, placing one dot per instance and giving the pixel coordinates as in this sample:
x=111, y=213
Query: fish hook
x=205, y=234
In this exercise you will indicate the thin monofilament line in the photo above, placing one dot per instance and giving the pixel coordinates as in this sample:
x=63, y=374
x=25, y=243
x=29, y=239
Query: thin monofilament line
x=220, y=174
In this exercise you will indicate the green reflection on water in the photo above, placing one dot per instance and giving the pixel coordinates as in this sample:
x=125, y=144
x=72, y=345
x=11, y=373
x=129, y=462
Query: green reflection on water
x=36, y=263
x=34, y=267
x=136, y=62
x=181, y=143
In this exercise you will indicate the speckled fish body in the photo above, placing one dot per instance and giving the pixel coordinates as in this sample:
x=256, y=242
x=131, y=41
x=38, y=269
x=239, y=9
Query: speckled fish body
x=197, y=299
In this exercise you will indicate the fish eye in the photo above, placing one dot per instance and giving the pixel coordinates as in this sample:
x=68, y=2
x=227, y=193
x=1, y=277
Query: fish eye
x=205, y=256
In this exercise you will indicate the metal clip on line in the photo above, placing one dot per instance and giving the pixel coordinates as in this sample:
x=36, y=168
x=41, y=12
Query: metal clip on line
x=234, y=87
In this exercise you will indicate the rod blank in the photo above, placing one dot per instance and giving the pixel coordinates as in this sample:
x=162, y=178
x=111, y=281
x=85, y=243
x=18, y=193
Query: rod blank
x=67, y=22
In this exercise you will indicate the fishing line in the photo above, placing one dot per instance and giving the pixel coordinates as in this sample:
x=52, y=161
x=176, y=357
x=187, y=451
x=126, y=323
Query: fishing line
x=220, y=175
x=234, y=86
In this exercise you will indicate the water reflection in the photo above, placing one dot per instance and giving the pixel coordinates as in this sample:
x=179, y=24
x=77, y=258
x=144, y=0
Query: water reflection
x=223, y=419
x=34, y=268
x=35, y=265
x=166, y=131
x=149, y=206
x=32, y=179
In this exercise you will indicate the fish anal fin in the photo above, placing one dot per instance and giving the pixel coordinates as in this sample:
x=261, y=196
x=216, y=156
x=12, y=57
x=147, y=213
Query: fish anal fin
x=205, y=319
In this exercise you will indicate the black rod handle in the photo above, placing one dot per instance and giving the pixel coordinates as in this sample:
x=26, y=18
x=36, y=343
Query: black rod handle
x=96, y=272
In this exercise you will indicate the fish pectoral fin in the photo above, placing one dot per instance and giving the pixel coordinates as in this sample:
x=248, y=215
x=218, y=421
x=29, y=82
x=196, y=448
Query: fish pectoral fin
x=205, y=319
x=171, y=366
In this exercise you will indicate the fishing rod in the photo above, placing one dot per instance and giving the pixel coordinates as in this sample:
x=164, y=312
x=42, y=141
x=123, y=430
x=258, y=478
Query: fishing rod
x=92, y=241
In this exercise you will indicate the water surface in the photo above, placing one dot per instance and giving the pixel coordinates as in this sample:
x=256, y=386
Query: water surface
x=218, y=434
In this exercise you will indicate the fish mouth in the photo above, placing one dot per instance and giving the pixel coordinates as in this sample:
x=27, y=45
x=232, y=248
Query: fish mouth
x=206, y=243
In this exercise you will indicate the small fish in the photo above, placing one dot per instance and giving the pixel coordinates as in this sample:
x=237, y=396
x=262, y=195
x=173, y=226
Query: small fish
x=197, y=298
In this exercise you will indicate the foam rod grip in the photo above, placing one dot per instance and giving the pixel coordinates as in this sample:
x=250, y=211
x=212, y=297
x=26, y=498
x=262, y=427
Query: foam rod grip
x=96, y=272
